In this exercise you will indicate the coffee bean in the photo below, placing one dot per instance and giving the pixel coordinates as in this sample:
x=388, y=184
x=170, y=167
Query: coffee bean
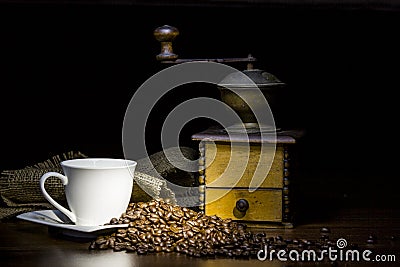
x=130, y=249
x=262, y=234
x=111, y=242
x=371, y=239
x=325, y=230
x=141, y=251
x=151, y=248
x=101, y=240
x=211, y=254
x=114, y=221
x=118, y=248
x=93, y=245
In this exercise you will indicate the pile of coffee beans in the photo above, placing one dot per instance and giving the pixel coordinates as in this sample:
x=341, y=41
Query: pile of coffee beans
x=157, y=226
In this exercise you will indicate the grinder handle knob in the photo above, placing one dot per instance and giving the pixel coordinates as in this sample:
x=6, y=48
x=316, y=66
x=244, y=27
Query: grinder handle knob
x=165, y=35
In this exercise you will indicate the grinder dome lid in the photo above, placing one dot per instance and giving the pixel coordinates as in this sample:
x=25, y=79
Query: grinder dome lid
x=260, y=77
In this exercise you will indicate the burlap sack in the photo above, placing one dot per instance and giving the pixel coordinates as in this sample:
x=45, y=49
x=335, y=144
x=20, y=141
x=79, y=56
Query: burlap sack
x=20, y=188
x=20, y=191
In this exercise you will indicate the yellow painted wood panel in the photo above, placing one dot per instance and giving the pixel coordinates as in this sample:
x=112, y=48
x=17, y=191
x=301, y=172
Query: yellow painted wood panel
x=264, y=204
x=219, y=175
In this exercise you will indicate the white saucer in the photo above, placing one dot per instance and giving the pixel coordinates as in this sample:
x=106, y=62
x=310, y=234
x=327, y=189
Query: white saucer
x=57, y=219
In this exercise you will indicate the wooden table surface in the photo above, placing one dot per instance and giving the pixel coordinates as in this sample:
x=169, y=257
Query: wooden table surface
x=24, y=243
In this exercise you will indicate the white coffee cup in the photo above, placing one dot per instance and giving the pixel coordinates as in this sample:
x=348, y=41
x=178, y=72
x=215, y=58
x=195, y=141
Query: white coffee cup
x=96, y=189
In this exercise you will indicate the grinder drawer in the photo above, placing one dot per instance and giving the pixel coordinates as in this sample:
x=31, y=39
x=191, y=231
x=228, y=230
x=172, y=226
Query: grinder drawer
x=260, y=205
x=220, y=155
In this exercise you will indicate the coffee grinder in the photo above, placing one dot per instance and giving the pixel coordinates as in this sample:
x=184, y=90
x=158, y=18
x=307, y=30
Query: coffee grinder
x=270, y=204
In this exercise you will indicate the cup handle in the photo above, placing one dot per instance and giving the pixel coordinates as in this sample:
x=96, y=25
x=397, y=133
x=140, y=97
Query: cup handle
x=64, y=180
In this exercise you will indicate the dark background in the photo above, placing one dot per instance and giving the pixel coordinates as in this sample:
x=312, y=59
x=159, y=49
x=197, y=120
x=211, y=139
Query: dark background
x=68, y=72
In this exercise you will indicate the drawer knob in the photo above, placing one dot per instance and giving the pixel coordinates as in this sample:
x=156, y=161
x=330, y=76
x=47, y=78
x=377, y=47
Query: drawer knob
x=242, y=205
